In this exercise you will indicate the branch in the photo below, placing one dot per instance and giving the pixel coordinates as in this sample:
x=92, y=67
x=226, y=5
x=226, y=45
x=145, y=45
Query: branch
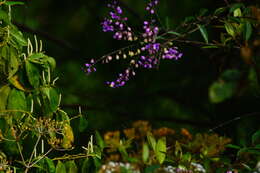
x=58, y=41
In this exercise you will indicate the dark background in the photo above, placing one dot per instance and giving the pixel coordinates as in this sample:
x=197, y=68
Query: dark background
x=176, y=95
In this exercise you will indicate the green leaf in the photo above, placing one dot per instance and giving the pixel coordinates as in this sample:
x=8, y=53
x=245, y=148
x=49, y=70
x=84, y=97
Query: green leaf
x=50, y=164
x=233, y=146
x=204, y=33
x=71, y=167
x=13, y=64
x=160, y=151
x=17, y=101
x=256, y=138
x=145, y=154
x=60, y=168
x=230, y=29
x=151, y=169
x=51, y=99
x=151, y=140
x=99, y=140
x=18, y=37
x=87, y=166
x=174, y=33
x=33, y=74
x=231, y=75
x=4, y=93
x=220, y=10
x=220, y=91
x=4, y=16
x=83, y=123
x=247, y=30
x=209, y=47
x=14, y=3
x=237, y=13
x=42, y=59
x=235, y=6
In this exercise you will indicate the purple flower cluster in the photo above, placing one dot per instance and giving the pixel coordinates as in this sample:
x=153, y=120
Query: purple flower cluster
x=146, y=56
x=151, y=5
x=117, y=24
x=122, y=79
x=89, y=67
x=171, y=53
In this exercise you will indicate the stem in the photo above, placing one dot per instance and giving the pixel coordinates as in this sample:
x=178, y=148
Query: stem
x=34, y=149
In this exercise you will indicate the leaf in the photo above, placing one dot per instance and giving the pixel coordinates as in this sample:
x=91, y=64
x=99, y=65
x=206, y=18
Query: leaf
x=231, y=75
x=14, y=3
x=13, y=63
x=71, y=167
x=17, y=102
x=230, y=29
x=160, y=151
x=151, y=140
x=233, y=146
x=50, y=164
x=209, y=47
x=220, y=10
x=235, y=6
x=18, y=37
x=99, y=140
x=33, y=74
x=4, y=93
x=247, y=30
x=151, y=169
x=60, y=168
x=68, y=136
x=145, y=154
x=4, y=16
x=174, y=33
x=42, y=59
x=83, y=123
x=237, y=13
x=87, y=166
x=16, y=83
x=220, y=91
x=204, y=33
x=256, y=138
x=51, y=99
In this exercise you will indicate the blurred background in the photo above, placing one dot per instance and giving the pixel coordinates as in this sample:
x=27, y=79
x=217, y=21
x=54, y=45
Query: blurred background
x=176, y=95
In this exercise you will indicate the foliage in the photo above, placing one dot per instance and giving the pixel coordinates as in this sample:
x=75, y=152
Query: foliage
x=36, y=134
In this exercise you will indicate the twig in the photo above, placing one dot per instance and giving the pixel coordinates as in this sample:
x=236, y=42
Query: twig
x=21, y=154
x=46, y=35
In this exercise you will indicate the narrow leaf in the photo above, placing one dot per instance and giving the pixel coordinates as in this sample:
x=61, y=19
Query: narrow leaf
x=60, y=168
x=145, y=154
x=160, y=151
x=204, y=33
x=151, y=140
x=247, y=31
x=4, y=93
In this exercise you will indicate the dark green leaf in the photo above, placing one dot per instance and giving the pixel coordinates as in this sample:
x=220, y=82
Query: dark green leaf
x=18, y=37
x=60, y=168
x=4, y=93
x=220, y=10
x=100, y=141
x=151, y=169
x=160, y=151
x=231, y=75
x=209, y=47
x=83, y=123
x=4, y=16
x=33, y=74
x=17, y=102
x=247, y=31
x=220, y=91
x=50, y=164
x=233, y=146
x=203, y=11
x=151, y=140
x=13, y=63
x=235, y=6
x=71, y=167
x=174, y=33
x=204, y=33
x=256, y=138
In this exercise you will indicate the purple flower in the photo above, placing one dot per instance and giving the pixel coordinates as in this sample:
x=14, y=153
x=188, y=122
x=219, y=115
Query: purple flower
x=171, y=53
x=150, y=7
x=122, y=79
